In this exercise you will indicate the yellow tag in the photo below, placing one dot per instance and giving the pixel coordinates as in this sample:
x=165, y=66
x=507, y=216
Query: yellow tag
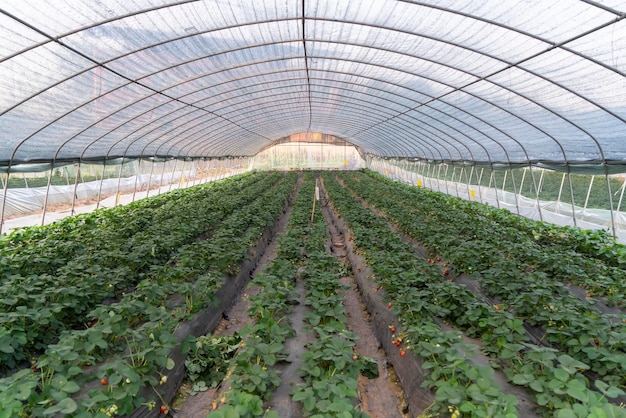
x=117, y=200
x=345, y=162
x=387, y=173
x=419, y=183
x=182, y=181
x=472, y=194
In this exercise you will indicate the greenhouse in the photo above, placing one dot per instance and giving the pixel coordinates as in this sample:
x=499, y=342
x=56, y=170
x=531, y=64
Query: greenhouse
x=313, y=208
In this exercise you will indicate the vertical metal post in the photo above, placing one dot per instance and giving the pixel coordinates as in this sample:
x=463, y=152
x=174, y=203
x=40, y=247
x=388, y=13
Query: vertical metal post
x=495, y=186
x=45, y=201
x=469, y=180
x=521, y=185
x=137, y=170
x=532, y=176
x=480, y=186
x=515, y=190
x=593, y=177
x=150, y=179
x=173, y=174
x=541, y=180
x=182, y=175
x=4, y=196
x=438, y=177
x=162, y=174
x=608, y=185
x=104, y=166
x=456, y=188
x=75, y=194
x=571, y=191
x=558, y=199
x=446, y=179
x=119, y=180
x=621, y=195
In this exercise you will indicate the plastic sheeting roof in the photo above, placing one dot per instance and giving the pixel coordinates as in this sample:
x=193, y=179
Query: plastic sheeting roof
x=449, y=80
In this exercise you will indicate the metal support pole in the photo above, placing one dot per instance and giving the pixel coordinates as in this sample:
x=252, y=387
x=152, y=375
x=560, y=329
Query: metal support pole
x=150, y=179
x=119, y=180
x=571, y=191
x=75, y=194
x=558, y=199
x=162, y=174
x=137, y=170
x=173, y=174
x=104, y=166
x=515, y=190
x=593, y=177
x=456, y=184
x=469, y=180
x=438, y=176
x=4, y=196
x=45, y=201
x=608, y=185
x=480, y=186
x=521, y=185
x=532, y=176
x=621, y=195
x=446, y=179
x=495, y=186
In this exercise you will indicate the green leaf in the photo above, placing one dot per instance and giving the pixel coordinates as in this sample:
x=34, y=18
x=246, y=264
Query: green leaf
x=561, y=374
x=577, y=390
x=170, y=364
x=65, y=406
x=565, y=413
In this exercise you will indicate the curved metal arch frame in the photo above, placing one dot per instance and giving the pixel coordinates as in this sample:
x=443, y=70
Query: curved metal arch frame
x=325, y=102
x=226, y=70
x=284, y=104
x=396, y=94
x=409, y=145
x=439, y=40
x=398, y=104
x=253, y=64
x=448, y=142
x=473, y=95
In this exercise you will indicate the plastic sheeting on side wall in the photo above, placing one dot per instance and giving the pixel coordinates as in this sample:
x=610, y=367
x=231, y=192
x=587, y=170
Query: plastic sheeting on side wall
x=558, y=213
x=27, y=200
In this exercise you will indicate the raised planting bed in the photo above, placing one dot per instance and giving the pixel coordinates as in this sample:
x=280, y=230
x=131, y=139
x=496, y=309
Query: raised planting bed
x=555, y=376
x=127, y=361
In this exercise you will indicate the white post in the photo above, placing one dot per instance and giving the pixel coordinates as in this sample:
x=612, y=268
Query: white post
x=75, y=196
x=588, y=192
x=45, y=201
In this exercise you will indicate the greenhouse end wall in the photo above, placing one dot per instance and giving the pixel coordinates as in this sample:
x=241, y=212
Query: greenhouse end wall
x=591, y=202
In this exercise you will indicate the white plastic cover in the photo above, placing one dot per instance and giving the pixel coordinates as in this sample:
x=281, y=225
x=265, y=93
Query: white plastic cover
x=487, y=81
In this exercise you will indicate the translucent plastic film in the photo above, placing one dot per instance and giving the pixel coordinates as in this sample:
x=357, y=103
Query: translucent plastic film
x=450, y=80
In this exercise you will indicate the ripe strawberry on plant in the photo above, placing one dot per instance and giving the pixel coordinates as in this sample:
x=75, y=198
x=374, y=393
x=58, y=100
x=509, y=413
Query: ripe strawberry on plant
x=163, y=409
x=104, y=381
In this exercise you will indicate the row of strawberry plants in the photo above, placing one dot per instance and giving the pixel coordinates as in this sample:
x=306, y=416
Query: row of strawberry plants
x=556, y=383
x=253, y=377
x=134, y=336
x=534, y=295
x=564, y=253
x=419, y=293
x=331, y=365
x=38, y=307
